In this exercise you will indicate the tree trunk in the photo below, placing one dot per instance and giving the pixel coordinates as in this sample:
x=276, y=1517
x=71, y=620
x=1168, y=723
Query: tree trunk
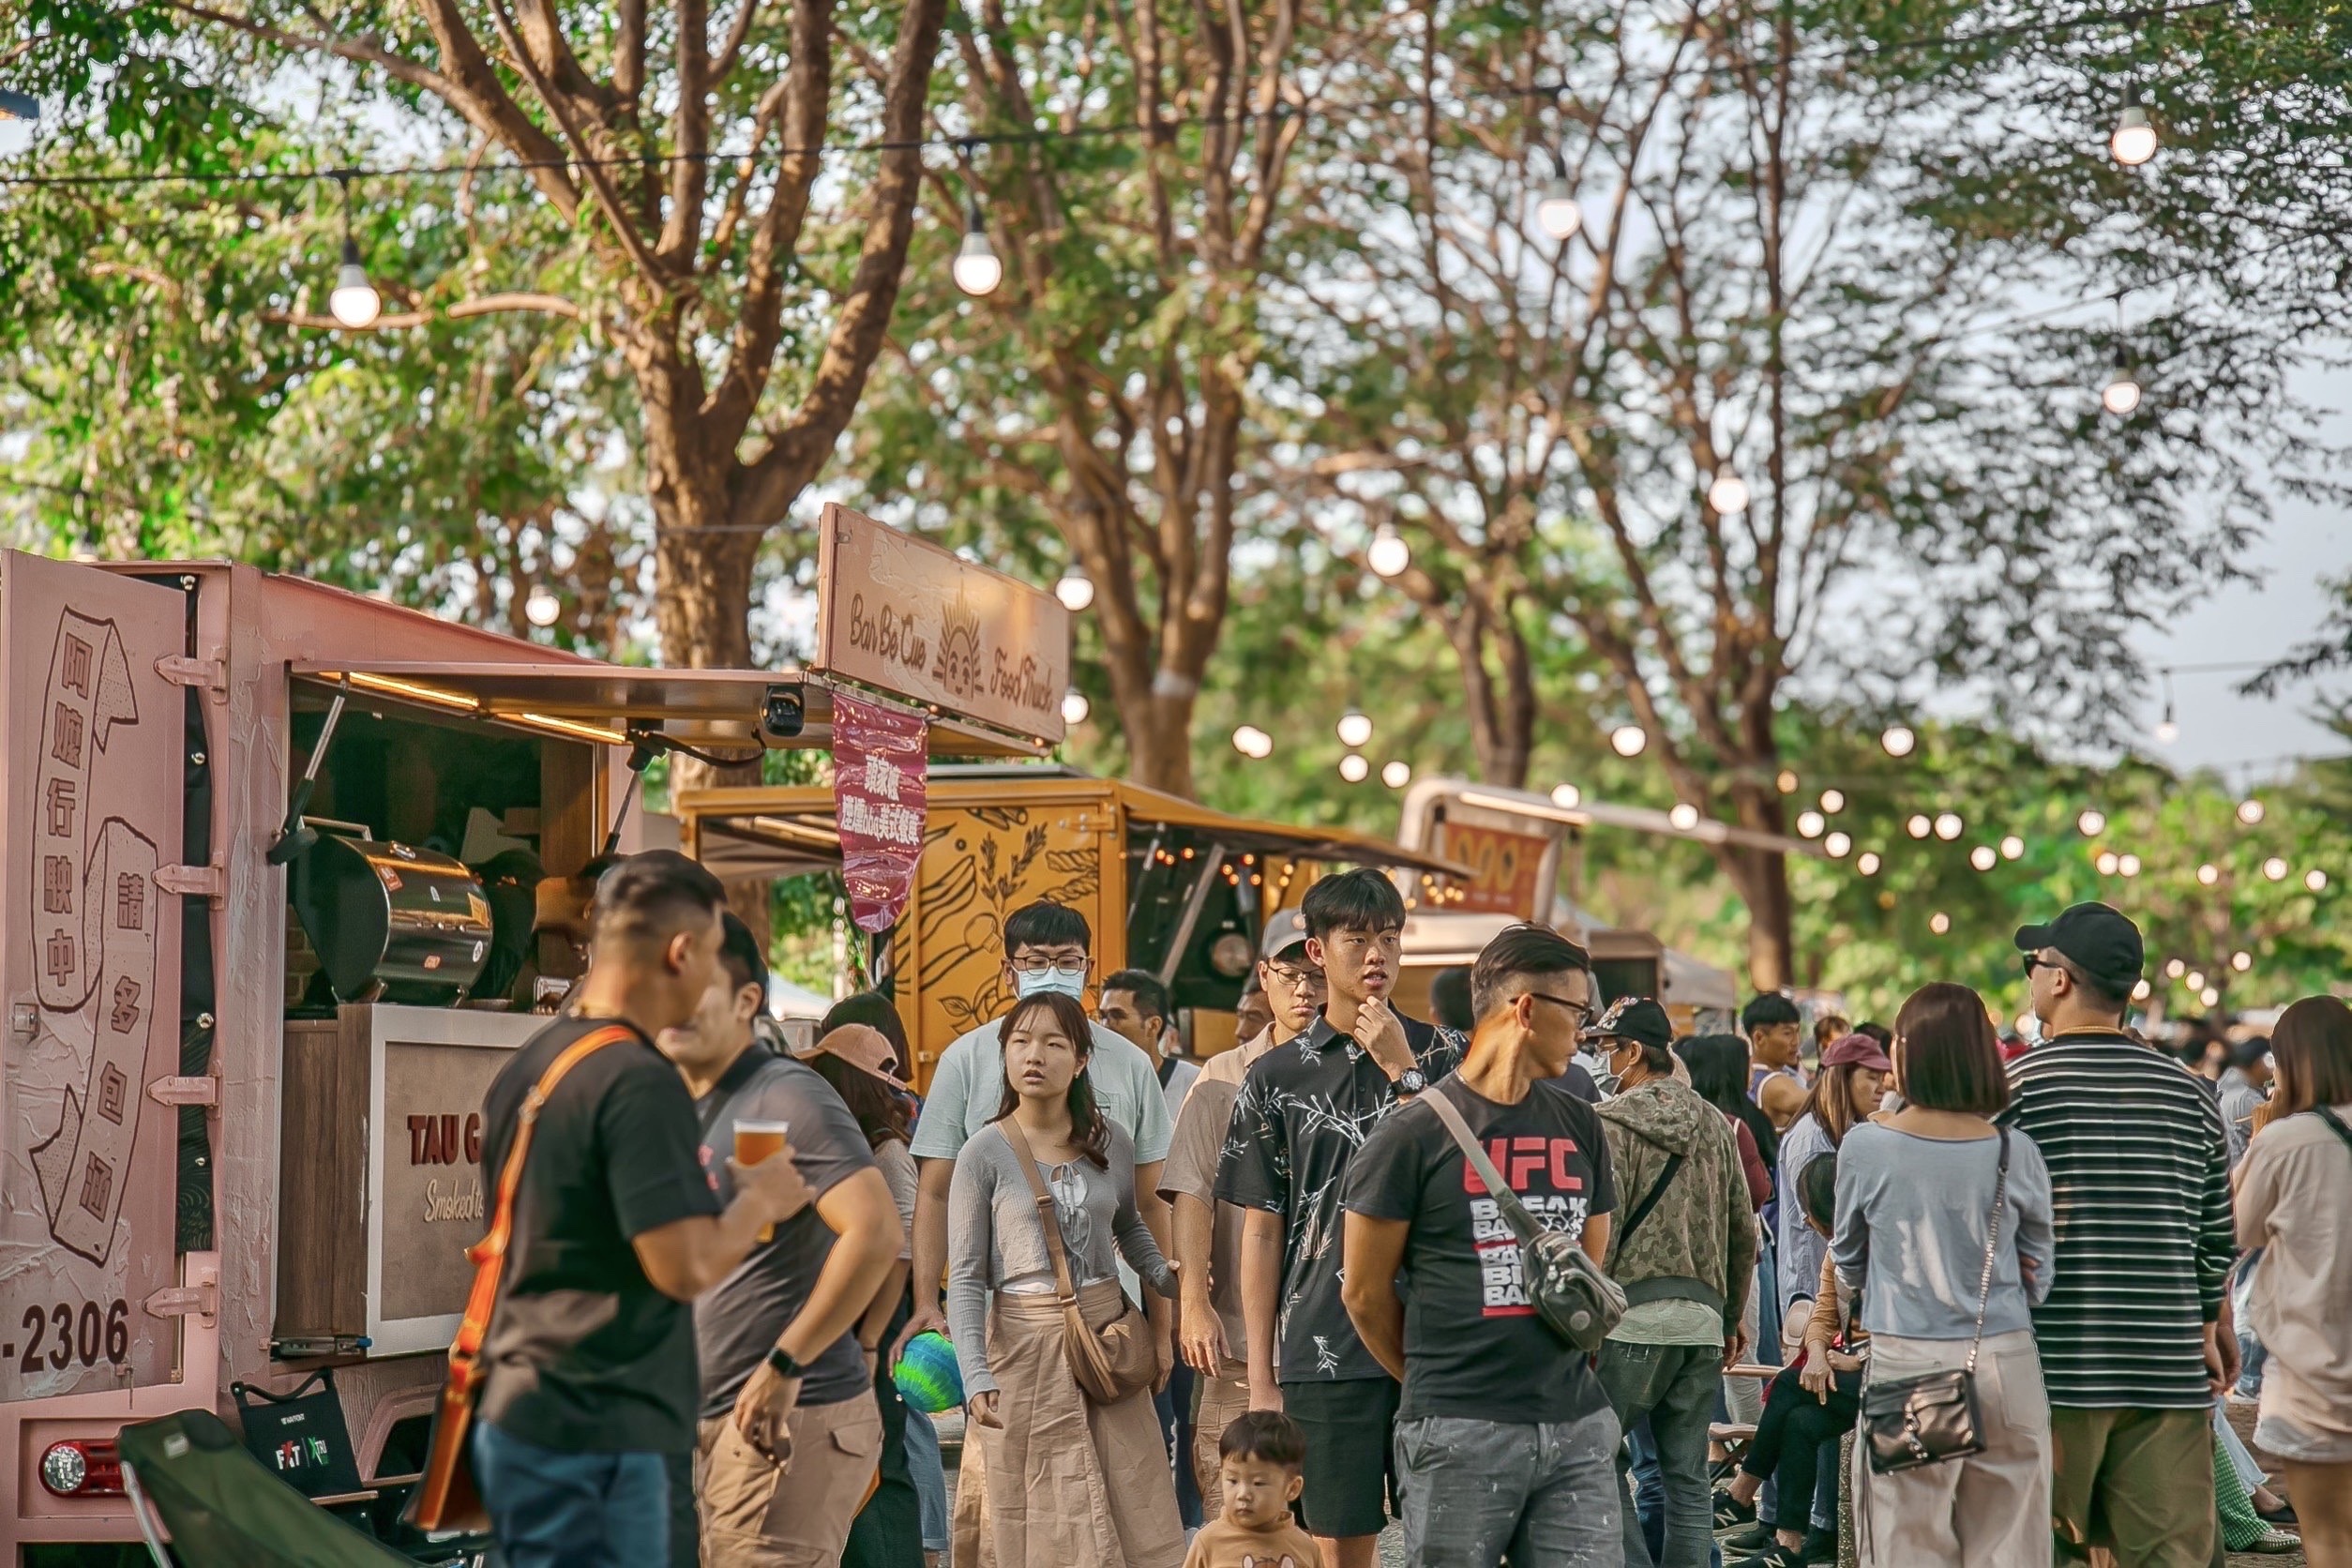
x=1761, y=877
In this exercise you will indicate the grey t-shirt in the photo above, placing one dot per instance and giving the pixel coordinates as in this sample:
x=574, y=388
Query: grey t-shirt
x=1911, y=1218
x=737, y=1320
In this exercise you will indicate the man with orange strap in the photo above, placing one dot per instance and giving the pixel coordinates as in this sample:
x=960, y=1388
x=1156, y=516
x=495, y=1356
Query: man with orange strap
x=589, y=1366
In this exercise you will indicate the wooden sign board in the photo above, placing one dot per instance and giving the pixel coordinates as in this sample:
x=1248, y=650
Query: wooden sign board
x=903, y=616
x=1505, y=867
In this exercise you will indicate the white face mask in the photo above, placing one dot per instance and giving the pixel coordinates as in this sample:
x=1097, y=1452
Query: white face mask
x=1046, y=982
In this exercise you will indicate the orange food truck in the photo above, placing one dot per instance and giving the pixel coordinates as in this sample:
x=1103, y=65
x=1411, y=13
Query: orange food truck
x=268, y=862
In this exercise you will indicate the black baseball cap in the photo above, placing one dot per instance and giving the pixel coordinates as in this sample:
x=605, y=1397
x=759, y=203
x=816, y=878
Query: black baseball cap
x=2098, y=939
x=1634, y=1018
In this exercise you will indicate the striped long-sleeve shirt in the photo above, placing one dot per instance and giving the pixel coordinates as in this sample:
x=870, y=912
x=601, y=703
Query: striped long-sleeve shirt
x=2139, y=1175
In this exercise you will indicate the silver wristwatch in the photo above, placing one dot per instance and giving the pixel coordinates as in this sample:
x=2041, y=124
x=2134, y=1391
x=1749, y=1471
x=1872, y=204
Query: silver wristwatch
x=1411, y=1081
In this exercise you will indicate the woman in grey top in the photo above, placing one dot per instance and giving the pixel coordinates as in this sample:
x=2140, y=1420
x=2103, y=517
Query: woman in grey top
x=1071, y=1483
x=1915, y=1193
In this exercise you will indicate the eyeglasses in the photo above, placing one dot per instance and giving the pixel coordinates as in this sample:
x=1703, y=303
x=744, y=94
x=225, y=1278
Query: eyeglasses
x=1038, y=963
x=2035, y=961
x=1300, y=979
x=1583, y=1015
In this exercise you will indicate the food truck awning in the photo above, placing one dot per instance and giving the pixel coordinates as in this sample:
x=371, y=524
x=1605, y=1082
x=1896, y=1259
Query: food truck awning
x=1153, y=809
x=584, y=699
x=750, y=831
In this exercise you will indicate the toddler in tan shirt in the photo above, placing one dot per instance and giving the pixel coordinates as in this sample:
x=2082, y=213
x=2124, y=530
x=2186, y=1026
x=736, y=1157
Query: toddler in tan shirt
x=1258, y=1459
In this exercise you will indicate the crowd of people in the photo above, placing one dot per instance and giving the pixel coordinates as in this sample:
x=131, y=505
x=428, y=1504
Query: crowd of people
x=1538, y=1280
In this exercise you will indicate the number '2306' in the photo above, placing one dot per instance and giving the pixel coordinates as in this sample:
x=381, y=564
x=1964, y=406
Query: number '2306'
x=92, y=1334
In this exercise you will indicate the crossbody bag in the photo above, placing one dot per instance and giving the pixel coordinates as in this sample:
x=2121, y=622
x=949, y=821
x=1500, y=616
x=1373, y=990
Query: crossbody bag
x=1110, y=1362
x=447, y=1497
x=1912, y=1422
x=1568, y=1291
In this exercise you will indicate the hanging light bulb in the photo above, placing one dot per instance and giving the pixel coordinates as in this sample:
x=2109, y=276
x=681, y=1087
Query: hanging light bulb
x=2195, y=981
x=2274, y=869
x=355, y=302
x=1628, y=740
x=2208, y=873
x=1354, y=727
x=2167, y=728
x=2129, y=864
x=2250, y=811
x=1253, y=743
x=1810, y=824
x=2013, y=847
x=2134, y=142
x=1075, y=706
x=1899, y=740
x=1982, y=857
x=2121, y=395
x=1397, y=774
x=542, y=608
x=1729, y=494
x=1939, y=923
x=2316, y=880
x=1948, y=826
x=1867, y=863
x=1556, y=210
x=1388, y=555
x=976, y=270
x=2210, y=997
x=1832, y=801
x=1920, y=826
x=2176, y=968
x=2242, y=961
x=1076, y=590
x=1685, y=816
x=1836, y=844
x=2091, y=824
x=2142, y=991
x=1566, y=796
x=1354, y=769
x=2107, y=861
x=1786, y=782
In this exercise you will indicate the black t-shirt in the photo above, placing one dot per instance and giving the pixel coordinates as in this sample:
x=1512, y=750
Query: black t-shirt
x=1473, y=1346
x=1305, y=1107
x=583, y=1354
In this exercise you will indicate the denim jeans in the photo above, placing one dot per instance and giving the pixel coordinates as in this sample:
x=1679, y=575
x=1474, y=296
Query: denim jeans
x=1673, y=1388
x=929, y=1470
x=1649, y=1492
x=555, y=1509
x=1475, y=1491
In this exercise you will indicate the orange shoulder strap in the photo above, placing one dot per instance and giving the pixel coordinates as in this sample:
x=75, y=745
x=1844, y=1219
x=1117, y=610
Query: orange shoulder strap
x=488, y=1255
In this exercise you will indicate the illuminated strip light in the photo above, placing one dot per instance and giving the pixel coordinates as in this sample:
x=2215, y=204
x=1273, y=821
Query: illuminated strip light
x=389, y=686
x=571, y=726
x=1525, y=808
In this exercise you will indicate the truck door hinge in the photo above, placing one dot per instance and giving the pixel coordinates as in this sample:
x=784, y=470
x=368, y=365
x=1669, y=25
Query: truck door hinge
x=184, y=1301
x=178, y=1091
x=209, y=880
x=212, y=675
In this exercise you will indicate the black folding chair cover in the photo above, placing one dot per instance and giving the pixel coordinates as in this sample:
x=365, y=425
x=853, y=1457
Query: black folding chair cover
x=224, y=1510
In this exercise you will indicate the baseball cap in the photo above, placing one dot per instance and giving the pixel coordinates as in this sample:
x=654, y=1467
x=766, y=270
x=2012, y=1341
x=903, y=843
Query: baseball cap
x=1284, y=929
x=1633, y=1018
x=862, y=1047
x=2099, y=939
x=1860, y=1051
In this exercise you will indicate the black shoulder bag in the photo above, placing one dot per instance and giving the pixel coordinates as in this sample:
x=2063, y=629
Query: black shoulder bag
x=1928, y=1419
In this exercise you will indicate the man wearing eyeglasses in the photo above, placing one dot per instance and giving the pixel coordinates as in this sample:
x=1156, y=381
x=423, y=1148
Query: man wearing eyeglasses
x=1210, y=1335
x=1047, y=947
x=1304, y=1109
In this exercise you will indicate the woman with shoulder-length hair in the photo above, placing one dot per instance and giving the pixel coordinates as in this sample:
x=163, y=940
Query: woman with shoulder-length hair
x=2294, y=1190
x=1853, y=1072
x=1074, y=1481
x=1944, y=1227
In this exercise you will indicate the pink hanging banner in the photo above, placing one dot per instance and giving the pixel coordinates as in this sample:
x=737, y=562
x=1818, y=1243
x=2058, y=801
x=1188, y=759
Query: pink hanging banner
x=877, y=797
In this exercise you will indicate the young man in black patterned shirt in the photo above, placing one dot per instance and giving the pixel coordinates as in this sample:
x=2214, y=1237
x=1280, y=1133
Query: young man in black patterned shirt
x=1305, y=1107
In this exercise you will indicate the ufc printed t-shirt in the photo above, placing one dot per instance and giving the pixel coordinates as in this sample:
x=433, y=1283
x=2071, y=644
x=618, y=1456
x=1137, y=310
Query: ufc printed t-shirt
x=1305, y=1108
x=1473, y=1346
x=584, y=1356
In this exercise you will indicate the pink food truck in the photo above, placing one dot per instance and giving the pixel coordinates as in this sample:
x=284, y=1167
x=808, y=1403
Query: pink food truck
x=271, y=918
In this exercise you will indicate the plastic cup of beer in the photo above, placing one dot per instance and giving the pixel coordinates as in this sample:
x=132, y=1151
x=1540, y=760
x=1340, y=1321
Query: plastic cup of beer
x=756, y=1141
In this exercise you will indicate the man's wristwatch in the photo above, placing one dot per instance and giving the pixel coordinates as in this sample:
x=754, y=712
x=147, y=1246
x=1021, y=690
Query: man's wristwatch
x=1411, y=1081
x=782, y=1363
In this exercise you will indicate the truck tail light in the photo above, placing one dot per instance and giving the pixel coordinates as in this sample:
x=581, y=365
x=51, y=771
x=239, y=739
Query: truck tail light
x=83, y=1468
